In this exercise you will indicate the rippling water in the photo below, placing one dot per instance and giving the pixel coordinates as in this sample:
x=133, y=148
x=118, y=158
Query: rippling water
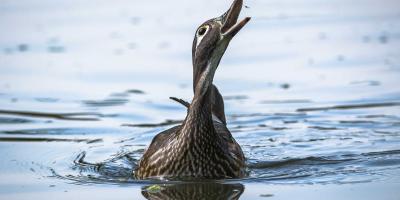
x=311, y=92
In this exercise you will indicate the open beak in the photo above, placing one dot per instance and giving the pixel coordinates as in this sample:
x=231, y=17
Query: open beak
x=230, y=27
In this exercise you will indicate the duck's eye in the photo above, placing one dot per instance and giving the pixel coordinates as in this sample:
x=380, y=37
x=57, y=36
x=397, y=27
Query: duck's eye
x=202, y=31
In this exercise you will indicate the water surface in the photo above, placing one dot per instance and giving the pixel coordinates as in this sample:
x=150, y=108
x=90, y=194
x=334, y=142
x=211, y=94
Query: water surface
x=311, y=93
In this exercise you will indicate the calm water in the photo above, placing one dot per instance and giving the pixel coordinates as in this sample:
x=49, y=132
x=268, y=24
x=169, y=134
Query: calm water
x=311, y=93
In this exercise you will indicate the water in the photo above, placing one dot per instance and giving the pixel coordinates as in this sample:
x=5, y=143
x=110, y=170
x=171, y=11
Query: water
x=310, y=87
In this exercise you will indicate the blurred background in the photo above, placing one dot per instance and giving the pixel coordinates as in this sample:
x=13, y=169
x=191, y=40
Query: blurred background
x=91, y=48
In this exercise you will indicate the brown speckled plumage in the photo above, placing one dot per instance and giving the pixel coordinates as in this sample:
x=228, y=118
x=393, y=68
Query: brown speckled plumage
x=202, y=146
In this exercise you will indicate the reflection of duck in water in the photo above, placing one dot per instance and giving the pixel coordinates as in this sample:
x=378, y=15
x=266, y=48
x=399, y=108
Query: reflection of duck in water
x=193, y=191
x=202, y=147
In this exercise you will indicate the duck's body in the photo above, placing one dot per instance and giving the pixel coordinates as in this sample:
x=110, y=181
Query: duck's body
x=202, y=146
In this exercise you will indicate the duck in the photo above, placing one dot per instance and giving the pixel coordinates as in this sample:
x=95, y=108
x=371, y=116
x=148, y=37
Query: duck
x=201, y=147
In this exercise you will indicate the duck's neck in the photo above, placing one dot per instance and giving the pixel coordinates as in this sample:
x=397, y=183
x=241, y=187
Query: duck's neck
x=198, y=125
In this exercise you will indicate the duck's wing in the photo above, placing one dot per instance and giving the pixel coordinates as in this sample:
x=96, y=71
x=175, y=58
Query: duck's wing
x=160, y=140
x=217, y=105
x=234, y=148
x=218, y=114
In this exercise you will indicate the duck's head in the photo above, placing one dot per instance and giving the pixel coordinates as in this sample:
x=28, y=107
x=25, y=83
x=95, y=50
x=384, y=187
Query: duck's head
x=209, y=45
